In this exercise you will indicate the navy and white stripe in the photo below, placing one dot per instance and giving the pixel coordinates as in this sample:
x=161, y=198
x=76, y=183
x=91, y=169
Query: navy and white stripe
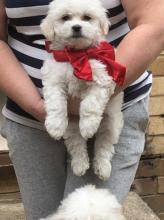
x=26, y=41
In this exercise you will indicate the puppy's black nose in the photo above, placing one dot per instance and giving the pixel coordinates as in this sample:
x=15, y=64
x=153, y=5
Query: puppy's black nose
x=76, y=28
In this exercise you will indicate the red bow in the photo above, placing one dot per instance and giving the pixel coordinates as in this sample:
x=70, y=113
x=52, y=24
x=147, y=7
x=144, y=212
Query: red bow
x=79, y=59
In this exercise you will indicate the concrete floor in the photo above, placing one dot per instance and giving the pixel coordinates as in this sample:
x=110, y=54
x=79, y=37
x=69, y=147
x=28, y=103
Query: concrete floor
x=134, y=208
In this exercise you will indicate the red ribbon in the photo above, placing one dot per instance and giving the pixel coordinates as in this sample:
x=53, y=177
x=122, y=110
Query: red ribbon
x=79, y=59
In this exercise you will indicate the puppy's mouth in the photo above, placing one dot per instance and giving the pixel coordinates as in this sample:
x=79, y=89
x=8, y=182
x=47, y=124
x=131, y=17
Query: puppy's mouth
x=76, y=35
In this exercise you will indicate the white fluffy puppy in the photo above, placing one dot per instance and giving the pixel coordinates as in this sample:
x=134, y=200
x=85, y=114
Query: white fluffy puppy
x=78, y=25
x=88, y=203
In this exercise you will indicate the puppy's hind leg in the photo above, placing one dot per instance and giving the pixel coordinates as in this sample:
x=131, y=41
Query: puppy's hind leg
x=77, y=148
x=103, y=151
x=108, y=135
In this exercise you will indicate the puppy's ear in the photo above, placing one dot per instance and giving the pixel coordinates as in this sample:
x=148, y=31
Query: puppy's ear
x=104, y=24
x=47, y=28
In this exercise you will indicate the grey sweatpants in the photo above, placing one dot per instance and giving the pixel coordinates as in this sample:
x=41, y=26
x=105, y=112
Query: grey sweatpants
x=44, y=176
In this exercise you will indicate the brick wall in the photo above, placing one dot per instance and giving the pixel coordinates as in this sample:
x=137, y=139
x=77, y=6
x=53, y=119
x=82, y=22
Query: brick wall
x=149, y=182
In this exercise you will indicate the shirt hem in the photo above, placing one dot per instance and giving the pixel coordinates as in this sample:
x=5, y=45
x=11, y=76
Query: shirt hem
x=132, y=102
x=38, y=125
x=22, y=120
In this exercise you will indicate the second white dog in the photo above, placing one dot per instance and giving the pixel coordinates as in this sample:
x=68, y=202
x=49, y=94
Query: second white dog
x=80, y=25
x=88, y=203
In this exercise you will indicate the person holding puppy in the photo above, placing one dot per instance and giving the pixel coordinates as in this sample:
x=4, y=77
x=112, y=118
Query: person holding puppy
x=39, y=161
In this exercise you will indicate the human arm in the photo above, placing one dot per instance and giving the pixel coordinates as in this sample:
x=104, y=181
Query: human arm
x=143, y=43
x=145, y=40
x=14, y=81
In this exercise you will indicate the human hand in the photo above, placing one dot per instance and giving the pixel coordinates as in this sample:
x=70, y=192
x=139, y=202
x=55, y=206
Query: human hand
x=38, y=111
x=73, y=108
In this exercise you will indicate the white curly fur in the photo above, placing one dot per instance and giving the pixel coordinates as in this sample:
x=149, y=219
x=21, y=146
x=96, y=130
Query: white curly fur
x=59, y=82
x=88, y=203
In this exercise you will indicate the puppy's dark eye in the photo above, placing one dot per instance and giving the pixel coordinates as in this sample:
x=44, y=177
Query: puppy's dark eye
x=66, y=17
x=87, y=18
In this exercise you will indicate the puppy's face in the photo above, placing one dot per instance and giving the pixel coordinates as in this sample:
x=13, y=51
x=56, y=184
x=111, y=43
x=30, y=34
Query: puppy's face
x=75, y=24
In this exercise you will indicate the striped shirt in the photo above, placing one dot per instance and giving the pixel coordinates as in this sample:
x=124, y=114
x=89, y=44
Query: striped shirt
x=26, y=41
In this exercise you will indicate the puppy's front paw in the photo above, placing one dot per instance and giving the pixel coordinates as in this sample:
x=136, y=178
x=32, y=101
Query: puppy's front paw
x=89, y=126
x=80, y=166
x=102, y=168
x=56, y=128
